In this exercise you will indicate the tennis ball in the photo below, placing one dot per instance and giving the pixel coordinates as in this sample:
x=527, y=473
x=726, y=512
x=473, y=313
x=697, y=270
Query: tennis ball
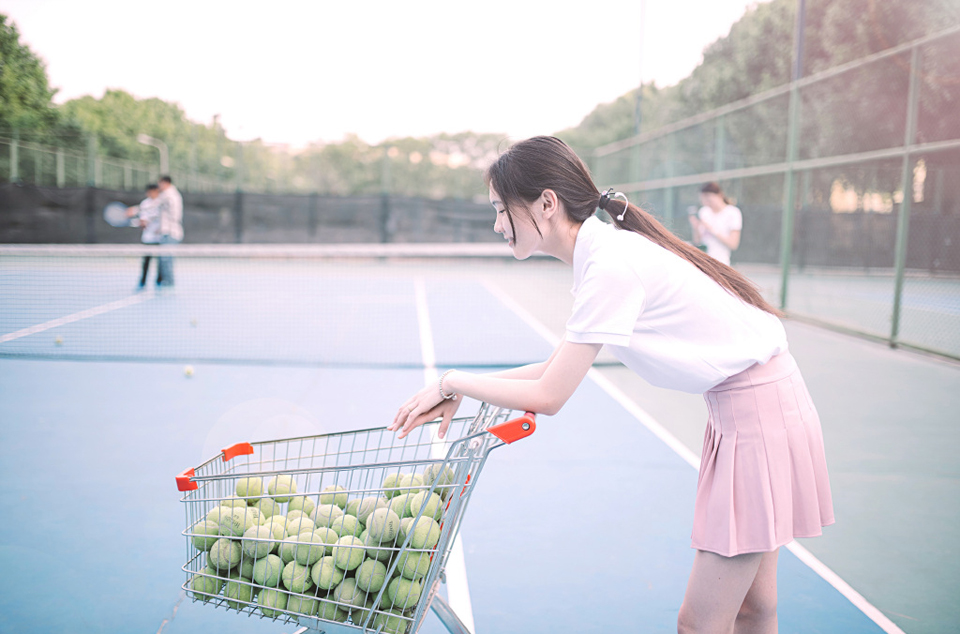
x=205, y=582
x=424, y=534
x=430, y=503
x=306, y=554
x=234, y=502
x=58, y=341
x=281, y=487
x=334, y=494
x=359, y=615
x=391, y=622
x=403, y=593
x=379, y=549
x=249, y=488
x=268, y=507
x=296, y=578
x=301, y=503
x=300, y=524
x=347, y=525
x=193, y=321
x=389, y=486
x=272, y=601
x=246, y=567
x=329, y=538
x=242, y=592
x=413, y=565
x=277, y=525
x=239, y=520
x=253, y=547
x=405, y=524
x=205, y=534
x=348, y=552
x=296, y=513
x=371, y=575
x=401, y=505
x=410, y=483
x=224, y=554
x=188, y=371
x=348, y=592
x=362, y=508
x=438, y=474
x=267, y=571
x=216, y=512
x=325, y=573
x=330, y=611
x=383, y=524
x=302, y=605
x=325, y=514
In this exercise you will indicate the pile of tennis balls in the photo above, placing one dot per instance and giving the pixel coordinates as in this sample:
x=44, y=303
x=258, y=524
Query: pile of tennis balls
x=325, y=554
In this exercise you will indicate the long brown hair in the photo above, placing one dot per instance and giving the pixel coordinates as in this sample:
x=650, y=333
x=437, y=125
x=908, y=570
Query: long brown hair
x=523, y=172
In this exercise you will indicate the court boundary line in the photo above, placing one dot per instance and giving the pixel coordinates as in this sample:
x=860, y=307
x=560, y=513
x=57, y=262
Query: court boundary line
x=455, y=572
x=77, y=316
x=805, y=556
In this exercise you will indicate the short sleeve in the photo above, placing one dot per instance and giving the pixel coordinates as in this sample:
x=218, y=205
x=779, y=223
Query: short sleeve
x=735, y=222
x=607, y=304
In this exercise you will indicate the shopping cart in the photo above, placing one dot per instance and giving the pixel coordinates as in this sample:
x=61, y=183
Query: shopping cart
x=310, y=576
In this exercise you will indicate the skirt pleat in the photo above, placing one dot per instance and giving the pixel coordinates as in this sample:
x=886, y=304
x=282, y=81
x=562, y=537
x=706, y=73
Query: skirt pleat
x=763, y=474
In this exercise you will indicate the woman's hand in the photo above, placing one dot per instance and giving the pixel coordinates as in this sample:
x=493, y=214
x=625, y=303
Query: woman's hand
x=425, y=406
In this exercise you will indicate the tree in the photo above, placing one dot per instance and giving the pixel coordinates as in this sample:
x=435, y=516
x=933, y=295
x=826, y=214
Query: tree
x=26, y=99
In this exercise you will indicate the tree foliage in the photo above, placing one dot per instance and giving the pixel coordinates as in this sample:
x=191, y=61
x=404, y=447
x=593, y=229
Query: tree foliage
x=26, y=99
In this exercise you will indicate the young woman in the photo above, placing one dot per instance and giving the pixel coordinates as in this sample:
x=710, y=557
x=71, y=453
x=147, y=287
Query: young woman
x=718, y=224
x=681, y=320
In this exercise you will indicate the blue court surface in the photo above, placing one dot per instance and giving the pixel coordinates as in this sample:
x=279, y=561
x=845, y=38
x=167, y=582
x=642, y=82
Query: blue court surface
x=582, y=527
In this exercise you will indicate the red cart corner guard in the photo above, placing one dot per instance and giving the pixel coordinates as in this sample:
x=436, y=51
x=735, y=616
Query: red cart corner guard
x=515, y=429
x=239, y=449
x=184, y=483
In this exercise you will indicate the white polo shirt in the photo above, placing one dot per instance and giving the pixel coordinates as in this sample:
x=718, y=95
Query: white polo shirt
x=660, y=315
x=721, y=223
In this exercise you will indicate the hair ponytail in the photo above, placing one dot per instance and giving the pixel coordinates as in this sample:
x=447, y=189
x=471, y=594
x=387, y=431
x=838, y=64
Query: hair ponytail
x=521, y=174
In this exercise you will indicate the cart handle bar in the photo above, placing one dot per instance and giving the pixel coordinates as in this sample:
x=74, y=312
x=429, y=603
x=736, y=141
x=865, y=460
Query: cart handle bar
x=508, y=432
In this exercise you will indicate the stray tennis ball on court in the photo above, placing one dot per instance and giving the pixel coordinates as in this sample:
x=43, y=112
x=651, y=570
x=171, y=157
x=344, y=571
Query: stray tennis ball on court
x=206, y=582
x=268, y=507
x=383, y=524
x=325, y=574
x=407, y=482
x=348, y=592
x=325, y=514
x=302, y=605
x=224, y=554
x=392, y=621
x=334, y=494
x=248, y=488
x=348, y=552
x=403, y=593
x=413, y=566
x=330, y=611
x=258, y=542
x=431, y=504
x=347, y=525
x=193, y=321
x=188, y=371
x=58, y=341
x=301, y=503
x=371, y=575
x=379, y=549
x=401, y=505
x=240, y=591
x=281, y=487
x=206, y=534
x=271, y=601
x=296, y=578
x=424, y=534
x=267, y=571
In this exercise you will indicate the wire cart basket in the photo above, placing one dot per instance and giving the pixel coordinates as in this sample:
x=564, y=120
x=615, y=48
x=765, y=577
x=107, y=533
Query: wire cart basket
x=337, y=533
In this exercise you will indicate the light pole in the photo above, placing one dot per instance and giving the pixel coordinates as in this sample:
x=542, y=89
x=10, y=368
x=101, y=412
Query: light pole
x=160, y=145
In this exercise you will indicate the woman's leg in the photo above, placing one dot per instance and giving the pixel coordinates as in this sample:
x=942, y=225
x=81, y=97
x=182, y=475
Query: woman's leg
x=715, y=592
x=758, y=614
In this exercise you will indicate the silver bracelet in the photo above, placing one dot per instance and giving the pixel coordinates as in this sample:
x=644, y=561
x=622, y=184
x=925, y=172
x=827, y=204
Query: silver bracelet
x=447, y=397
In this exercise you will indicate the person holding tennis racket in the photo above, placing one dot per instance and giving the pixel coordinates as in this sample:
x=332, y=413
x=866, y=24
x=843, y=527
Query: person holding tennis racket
x=147, y=215
x=681, y=320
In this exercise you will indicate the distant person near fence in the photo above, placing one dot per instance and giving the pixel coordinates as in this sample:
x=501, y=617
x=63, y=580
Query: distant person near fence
x=171, y=225
x=718, y=224
x=148, y=215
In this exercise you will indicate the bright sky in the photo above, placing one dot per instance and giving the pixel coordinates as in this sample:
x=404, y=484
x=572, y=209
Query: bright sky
x=296, y=71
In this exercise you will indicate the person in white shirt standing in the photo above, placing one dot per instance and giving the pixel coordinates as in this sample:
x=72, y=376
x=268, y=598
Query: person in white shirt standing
x=171, y=225
x=718, y=224
x=147, y=215
x=682, y=320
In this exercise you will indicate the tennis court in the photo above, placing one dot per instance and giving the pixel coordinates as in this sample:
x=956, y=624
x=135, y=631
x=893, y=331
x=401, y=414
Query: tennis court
x=582, y=527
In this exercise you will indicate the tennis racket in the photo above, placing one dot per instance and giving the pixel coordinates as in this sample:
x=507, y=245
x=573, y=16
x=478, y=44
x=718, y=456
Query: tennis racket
x=115, y=214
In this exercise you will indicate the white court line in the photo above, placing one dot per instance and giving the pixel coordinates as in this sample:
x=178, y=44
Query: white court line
x=648, y=421
x=83, y=314
x=458, y=590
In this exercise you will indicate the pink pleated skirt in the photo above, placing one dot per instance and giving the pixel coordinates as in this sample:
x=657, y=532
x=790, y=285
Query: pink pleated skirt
x=763, y=473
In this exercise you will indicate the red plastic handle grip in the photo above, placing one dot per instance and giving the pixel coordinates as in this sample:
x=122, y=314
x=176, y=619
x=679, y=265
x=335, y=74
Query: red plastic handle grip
x=239, y=449
x=184, y=483
x=514, y=430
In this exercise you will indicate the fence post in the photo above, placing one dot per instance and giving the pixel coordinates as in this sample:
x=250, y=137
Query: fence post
x=61, y=168
x=721, y=145
x=15, y=156
x=906, y=183
x=238, y=216
x=312, y=213
x=670, y=196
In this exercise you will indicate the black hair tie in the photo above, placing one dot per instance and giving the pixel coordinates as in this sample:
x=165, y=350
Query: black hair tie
x=604, y=199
